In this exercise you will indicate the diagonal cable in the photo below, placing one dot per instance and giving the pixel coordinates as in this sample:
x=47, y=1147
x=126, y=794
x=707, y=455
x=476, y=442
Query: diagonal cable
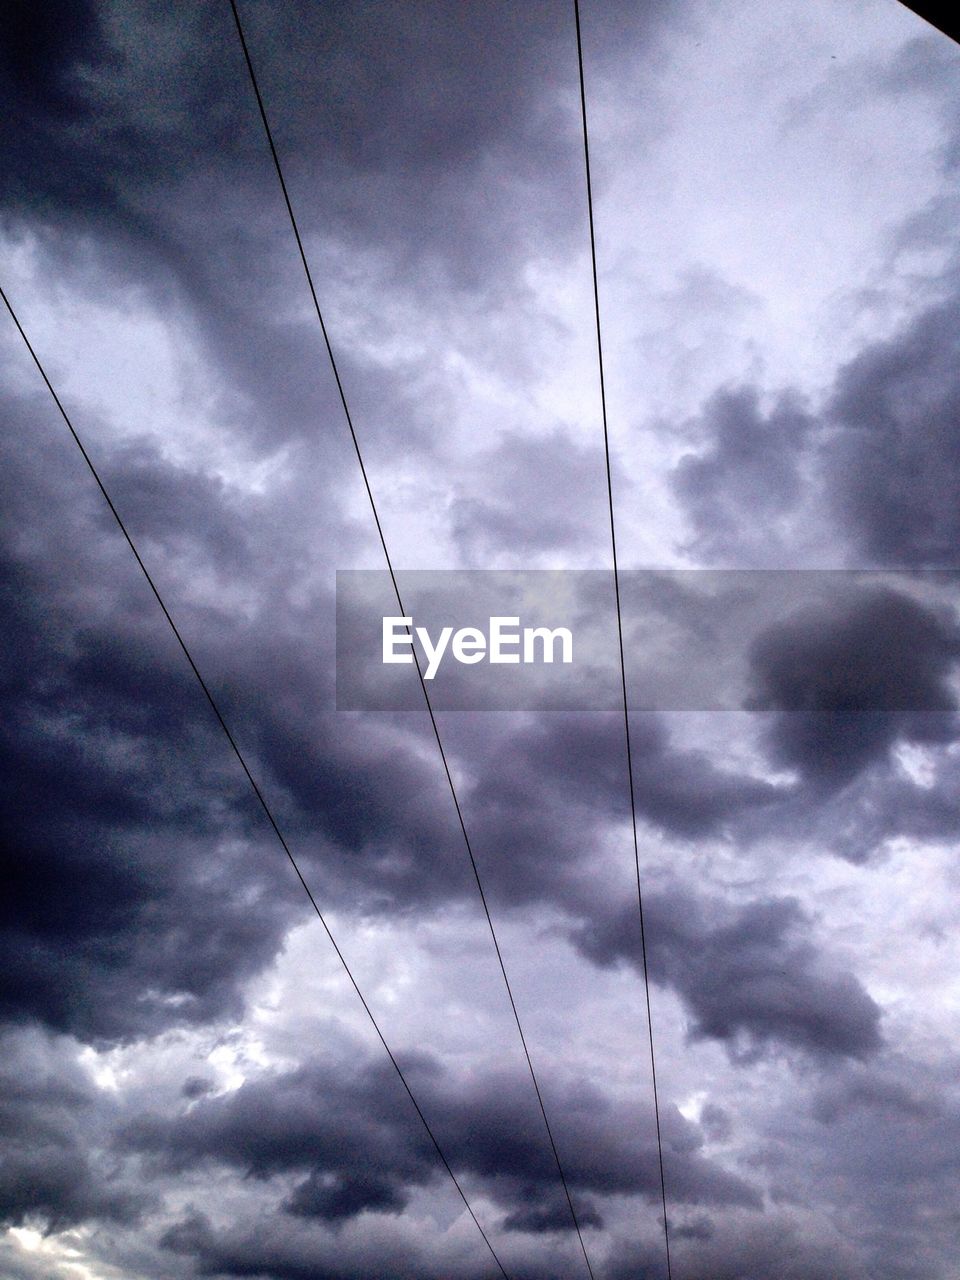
x=386, y=554
x=250, y=778
x=623, y=665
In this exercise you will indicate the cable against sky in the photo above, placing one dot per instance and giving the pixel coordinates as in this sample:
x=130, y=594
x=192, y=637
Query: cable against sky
x=383, y=543
x=623, y=665
x=250, y=778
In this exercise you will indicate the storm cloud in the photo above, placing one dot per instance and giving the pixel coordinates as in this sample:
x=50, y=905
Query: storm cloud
x=749, y=978
x=186, y=1083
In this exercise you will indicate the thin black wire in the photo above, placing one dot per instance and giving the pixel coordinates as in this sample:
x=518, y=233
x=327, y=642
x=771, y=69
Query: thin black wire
x=403, y=612
x=623, y=665
x=250, y=778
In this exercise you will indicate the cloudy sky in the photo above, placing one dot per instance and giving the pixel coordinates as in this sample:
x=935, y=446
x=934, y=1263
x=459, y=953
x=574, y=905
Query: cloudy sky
x=190, y=1085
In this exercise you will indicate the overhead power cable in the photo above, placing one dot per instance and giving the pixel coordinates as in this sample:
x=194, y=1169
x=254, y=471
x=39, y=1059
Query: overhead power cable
x=393, y=579
x=253, y=783
x=623, y=665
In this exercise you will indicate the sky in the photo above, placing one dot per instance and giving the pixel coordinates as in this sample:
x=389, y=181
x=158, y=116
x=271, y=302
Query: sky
x=190, y=1086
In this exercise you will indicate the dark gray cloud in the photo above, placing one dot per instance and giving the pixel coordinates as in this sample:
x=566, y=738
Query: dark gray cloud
x=748, y=474
x=102, y=901
x=127, y=828
x=847, y=683
x=120, y=807
x=892, y=460
x=734, y=1251
x=433, y=158
x=433, y=154
x=749, y=977
x=879, y=456
x=272, y=1251
x=132, y=913
x=441, y=133
x=355, y=1146
x=537, y=810
x=52, y=1174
